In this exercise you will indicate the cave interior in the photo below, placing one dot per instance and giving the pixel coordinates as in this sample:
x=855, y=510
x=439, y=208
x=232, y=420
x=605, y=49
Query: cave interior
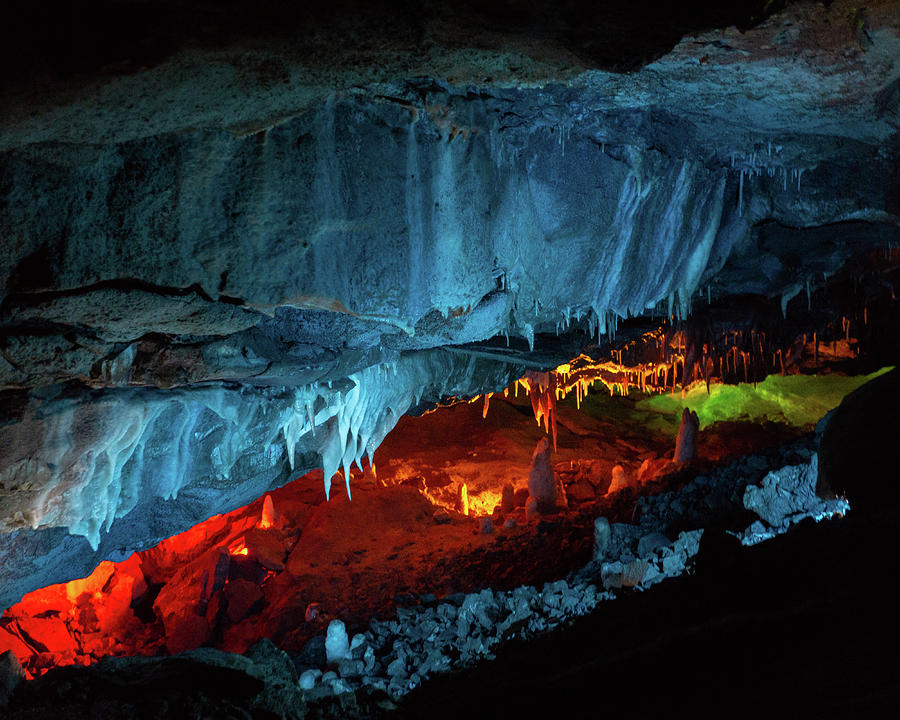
x=416, y=360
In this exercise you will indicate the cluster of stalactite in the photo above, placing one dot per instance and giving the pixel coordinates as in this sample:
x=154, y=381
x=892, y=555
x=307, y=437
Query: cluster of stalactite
x=670, y=360
x=851, y=313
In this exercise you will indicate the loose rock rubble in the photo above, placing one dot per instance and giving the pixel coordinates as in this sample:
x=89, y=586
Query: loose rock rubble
x=443, y=634
x=786, y=497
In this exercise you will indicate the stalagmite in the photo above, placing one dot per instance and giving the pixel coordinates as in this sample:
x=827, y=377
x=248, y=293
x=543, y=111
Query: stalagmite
x=544, y=488
x=686, y=443
x=268, y=514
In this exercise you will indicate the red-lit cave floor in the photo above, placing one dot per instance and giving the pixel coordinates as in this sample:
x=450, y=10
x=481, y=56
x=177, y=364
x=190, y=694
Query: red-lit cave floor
x=228, y=582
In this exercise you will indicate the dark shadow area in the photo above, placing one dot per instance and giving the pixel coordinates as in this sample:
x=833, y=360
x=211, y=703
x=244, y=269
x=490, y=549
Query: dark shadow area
x=64, y=39
x=803, y=625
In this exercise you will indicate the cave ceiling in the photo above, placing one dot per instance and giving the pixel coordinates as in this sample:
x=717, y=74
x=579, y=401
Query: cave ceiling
x=238, y=243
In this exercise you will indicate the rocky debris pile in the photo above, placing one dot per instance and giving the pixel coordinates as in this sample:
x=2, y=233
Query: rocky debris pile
x=439, y=635
x=786, y=497
x=78, y=622
x=584, y=479
x=630, y=557
x=397, y=655
x=717, y=498
x=639, y=555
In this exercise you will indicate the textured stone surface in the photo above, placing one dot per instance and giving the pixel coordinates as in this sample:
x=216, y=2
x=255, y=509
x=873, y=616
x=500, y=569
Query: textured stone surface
x=197, y=245
x=686, y=443
x=542, y=482
x=127, y=468
x=392, y=209
x=11, y=674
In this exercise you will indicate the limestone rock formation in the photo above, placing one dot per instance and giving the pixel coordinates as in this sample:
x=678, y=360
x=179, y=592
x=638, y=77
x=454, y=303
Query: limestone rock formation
x=337, y=644
x=546, y=493
x=620, y=479
x=224, y=264
x=11, y=674
x=686, y=442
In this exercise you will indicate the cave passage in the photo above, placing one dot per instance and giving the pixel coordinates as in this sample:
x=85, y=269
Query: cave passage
x=466, y=496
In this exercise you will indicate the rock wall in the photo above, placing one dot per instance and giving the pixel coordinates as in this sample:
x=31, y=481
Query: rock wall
x=127, y=468
x=193, y=250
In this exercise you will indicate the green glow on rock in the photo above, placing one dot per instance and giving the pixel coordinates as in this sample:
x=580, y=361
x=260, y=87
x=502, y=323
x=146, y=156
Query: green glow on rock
x=799, y=400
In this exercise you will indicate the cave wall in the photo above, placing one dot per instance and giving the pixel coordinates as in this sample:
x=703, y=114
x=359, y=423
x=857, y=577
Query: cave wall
x=201, y=253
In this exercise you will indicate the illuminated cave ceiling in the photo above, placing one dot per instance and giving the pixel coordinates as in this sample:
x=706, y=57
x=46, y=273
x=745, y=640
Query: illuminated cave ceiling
x=209, y=253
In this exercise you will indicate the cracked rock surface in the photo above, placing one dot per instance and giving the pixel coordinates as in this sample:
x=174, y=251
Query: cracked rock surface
x=204, y=235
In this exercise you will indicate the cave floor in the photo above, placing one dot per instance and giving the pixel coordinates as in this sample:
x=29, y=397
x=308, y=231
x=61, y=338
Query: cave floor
x=389, y=546
x=804, y=625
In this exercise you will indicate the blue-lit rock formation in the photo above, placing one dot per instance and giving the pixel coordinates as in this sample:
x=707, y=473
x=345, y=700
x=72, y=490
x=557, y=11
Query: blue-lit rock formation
x=208, y=256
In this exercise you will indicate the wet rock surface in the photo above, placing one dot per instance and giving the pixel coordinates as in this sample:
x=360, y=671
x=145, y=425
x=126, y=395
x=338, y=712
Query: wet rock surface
x=233, y=258
x=212, y=233
x=408, y=654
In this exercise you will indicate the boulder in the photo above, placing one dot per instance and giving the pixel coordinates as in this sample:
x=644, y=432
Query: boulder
x=634, y=572
x=186, y=630
x=216, y=574
x=349, y=668
x=48, y=634
x=787, y=496
x=11, y=674
x=397, y=668
x=313, y=652
x=611, y=575
x=652, y=468
x=358, y=646
x=308, y=678
x=266, y=547
x=581, y=491
x=12, y=642
x=246, y=567
x=650, y=543
x=273, y=662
